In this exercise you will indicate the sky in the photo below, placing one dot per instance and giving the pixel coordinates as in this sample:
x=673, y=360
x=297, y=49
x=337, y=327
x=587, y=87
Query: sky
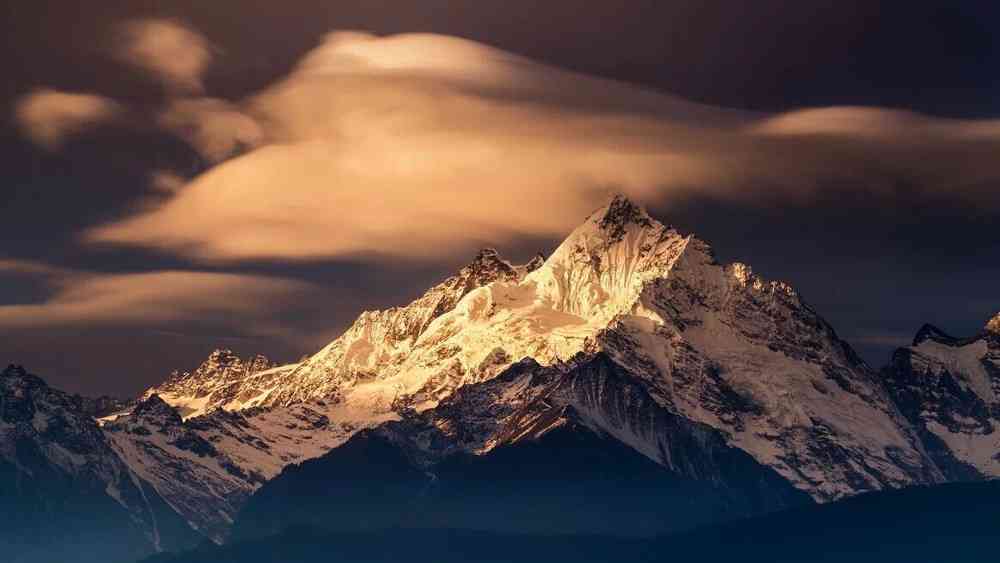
x=180, y=176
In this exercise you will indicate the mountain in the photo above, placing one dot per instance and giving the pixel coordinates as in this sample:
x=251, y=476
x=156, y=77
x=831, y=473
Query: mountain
x=628, y=355
x=65, y=494
x=580, y=449
x=102, y=407
x=364, y=359
x=949, y=389
x=714, y=344
x=954, y=523
x=208, y=466
x=215, y=384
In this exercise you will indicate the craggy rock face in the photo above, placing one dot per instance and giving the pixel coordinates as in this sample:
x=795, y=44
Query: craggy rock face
x=949, y=389
x=70, y=482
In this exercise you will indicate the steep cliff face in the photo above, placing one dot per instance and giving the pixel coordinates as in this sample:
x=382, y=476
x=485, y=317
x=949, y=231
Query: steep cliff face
x=65, y=493
x=949, y=389
x=535, y=450
x=750, y=358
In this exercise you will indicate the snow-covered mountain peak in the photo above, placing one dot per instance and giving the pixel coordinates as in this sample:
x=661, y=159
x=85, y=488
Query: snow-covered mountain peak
x=211, y=384
x=486, y=255
x=993, y=325
x=949, y=388
x=933, y=334
x=618, y=214
x=224, y=357
x=611, y=222
x=15, y=376
x=487, y=265
x=714, y=343
x=601, y=267
x=16, y=386
x=747, y=278
x=154, y=408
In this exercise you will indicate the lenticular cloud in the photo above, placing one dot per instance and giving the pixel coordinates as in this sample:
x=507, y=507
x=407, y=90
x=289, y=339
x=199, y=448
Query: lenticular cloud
x=419, y=146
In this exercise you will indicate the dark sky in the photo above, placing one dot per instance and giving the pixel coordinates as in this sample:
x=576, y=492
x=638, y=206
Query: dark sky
x=876, y=270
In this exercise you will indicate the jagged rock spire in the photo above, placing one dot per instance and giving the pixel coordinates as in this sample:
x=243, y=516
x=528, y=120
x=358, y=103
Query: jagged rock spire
x=619, y=213
x=931, y=332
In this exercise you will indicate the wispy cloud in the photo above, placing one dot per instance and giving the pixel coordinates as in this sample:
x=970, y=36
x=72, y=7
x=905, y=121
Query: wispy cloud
x=49, y=117
x=215, y=128
x=169, y=50
x=235, y=304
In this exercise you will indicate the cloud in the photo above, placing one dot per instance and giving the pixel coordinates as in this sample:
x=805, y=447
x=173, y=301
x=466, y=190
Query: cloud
x=48, y=117
x=167, y=49
x=235, y=303
x=215, y=128
x=165, y=182
x=420, y=146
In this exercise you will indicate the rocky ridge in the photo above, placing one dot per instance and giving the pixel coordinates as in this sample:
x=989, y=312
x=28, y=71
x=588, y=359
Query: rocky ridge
x=715, y=344
x=63, y=479
x=704, y=357
x=949, y=389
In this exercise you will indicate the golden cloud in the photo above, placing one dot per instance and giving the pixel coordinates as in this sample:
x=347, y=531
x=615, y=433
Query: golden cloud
x=241, y=303
x=215, y=128
x=418, y=146
x=48, y=117
x=168, y=50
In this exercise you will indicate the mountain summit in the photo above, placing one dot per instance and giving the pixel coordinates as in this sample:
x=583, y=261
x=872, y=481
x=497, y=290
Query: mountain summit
x=467, y=328
x=993, y=325
x=629, y=330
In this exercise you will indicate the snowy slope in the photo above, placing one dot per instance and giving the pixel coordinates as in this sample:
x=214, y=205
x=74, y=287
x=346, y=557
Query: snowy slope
x=554, y=449
x=63, y=486
x=718, y=345
x=206, y=467
x=950, y=390
x=213, y=384
x=376, y=344
x=712, y=344
x=474, y=325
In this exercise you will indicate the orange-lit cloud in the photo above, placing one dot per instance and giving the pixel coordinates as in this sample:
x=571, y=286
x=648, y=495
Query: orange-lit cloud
x=242, y=304
x=168, y=50
x=165, y=182
x=49, y=117
x=213, y=127
x=421, y=146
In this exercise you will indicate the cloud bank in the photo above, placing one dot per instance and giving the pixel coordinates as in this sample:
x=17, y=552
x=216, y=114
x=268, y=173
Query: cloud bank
x=421, y=146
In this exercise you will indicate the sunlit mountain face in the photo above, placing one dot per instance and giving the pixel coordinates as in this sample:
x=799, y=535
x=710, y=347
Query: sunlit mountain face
x=599, y=283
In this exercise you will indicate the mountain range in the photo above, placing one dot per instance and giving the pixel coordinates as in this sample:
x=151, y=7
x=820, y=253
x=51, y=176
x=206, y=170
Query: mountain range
x=627, y=385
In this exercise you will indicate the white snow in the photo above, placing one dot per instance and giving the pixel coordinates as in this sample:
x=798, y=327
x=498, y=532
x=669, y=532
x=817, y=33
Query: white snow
x=655, y=300
x=257, y=444
x=965, y=362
